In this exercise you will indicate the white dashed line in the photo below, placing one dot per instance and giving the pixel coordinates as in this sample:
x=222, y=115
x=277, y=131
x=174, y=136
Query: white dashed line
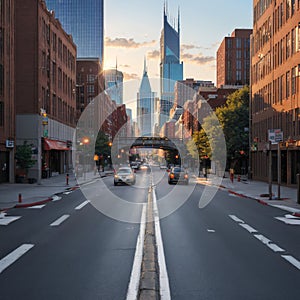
x=292, y=260
x=60, y=220
x=268, y=243
x=9, y=259
x=210, y=230
x=236, y=219
x=248, y=228
x=82, y=204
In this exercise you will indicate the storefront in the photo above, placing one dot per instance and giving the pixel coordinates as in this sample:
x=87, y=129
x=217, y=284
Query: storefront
x=55, y=157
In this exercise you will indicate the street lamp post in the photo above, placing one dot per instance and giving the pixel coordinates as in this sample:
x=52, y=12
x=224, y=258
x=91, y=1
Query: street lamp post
x=85, y=142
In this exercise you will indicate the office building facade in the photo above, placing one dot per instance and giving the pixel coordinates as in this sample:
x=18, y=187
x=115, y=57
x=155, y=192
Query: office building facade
x=233, y=59
x=275, y=92
x=84, y=21
x=171, y=69
x=44, y=88
x=7, y=83
x=114, y=84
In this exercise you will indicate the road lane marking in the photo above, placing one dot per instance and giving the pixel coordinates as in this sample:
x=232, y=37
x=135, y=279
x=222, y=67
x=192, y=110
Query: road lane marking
x=60, y=220
x=82, y=204
x=210, y=230
x=133, y=287
x=236, y=219
x=288, y=221
x=56, y=198
x=7, y=220
x=36, y=206
x=248, y=228
x=268, y=243
x=9, y=259
x=286, y=208
x=292, y=260
x=163, y=274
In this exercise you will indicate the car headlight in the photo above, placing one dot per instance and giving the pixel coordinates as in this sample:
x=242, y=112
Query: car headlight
x=116, y=176
x=186, y=176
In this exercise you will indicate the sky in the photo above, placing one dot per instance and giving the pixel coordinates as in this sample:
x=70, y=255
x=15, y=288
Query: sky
x=132, y=32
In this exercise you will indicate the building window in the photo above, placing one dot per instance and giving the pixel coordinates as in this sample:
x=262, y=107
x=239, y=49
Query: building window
x=293, y=46
x=238, y=64
x=293, y=90
x=238, y=43
x=288, y=45
x=91, y=78
x=287, y=84
x=1, y=113
x=288, y=9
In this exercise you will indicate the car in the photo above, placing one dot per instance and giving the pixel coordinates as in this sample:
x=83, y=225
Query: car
x=178, y=174
x=145, y=167
x=163, y=167
x=124, y=175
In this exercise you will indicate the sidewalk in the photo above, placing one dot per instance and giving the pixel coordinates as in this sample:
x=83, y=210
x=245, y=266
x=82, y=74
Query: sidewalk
x=259, y=191
x=25, y=195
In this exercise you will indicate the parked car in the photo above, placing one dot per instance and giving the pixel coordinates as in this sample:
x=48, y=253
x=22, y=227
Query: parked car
x=163, y=167
x=178, y=174
x=125, y=175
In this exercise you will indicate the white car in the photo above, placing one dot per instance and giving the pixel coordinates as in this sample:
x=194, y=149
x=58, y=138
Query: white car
x=125, y=175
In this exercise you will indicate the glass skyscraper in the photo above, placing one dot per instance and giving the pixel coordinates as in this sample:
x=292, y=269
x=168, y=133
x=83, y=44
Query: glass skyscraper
x=171, y=69
x=83, y=19
x=145, y=106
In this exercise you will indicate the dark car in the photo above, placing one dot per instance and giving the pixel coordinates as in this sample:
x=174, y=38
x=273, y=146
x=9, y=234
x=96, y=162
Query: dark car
x=178, y=174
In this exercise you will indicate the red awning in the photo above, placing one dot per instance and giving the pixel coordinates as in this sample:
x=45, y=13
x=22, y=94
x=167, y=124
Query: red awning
x=55, y=145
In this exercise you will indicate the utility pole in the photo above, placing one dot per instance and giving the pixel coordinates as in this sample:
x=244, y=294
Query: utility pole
x=270, y=169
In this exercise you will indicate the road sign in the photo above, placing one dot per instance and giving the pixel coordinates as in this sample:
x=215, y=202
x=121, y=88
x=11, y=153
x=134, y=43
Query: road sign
x=275, y=136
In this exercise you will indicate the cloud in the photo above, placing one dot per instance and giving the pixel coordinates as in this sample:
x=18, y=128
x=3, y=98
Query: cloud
x=126, y=43
x=153, y=54
x=198, y=59
x=125, y=66
x=130, y=76
x=184, y=47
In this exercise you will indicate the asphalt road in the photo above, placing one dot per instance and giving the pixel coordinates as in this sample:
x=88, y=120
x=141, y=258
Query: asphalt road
x=227, y=250
x=234, y=248
x=77, y=252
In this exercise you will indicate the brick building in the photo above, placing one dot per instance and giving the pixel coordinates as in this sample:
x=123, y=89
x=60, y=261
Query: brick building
x=275, y=92
x=7, y=81
x=233, y=59
x=45, y=83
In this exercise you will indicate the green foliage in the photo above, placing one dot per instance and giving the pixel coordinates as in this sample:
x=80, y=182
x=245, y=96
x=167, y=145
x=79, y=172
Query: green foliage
x=102, y=144
x=234, y=118
x=224, y=130
x=199, y=146
x=24, y=156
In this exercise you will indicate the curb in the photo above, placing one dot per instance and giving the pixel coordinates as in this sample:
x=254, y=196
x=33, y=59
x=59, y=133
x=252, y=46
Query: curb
x=33, y=203
x=40, y=202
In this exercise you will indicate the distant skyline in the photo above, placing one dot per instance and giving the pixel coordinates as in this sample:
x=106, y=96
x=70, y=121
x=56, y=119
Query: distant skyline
x=132, y=31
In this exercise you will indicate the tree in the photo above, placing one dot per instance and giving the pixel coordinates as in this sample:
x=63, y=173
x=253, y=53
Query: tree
x=234, y=119
x=23, y=157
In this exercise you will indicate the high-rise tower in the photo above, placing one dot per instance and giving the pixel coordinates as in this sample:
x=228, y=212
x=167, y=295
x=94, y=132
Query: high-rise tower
x=84, y=20
x=145, y=105
x=171, y=69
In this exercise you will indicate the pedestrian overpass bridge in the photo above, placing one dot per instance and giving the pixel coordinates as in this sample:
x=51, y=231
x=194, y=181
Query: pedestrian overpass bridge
x=163, y=143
